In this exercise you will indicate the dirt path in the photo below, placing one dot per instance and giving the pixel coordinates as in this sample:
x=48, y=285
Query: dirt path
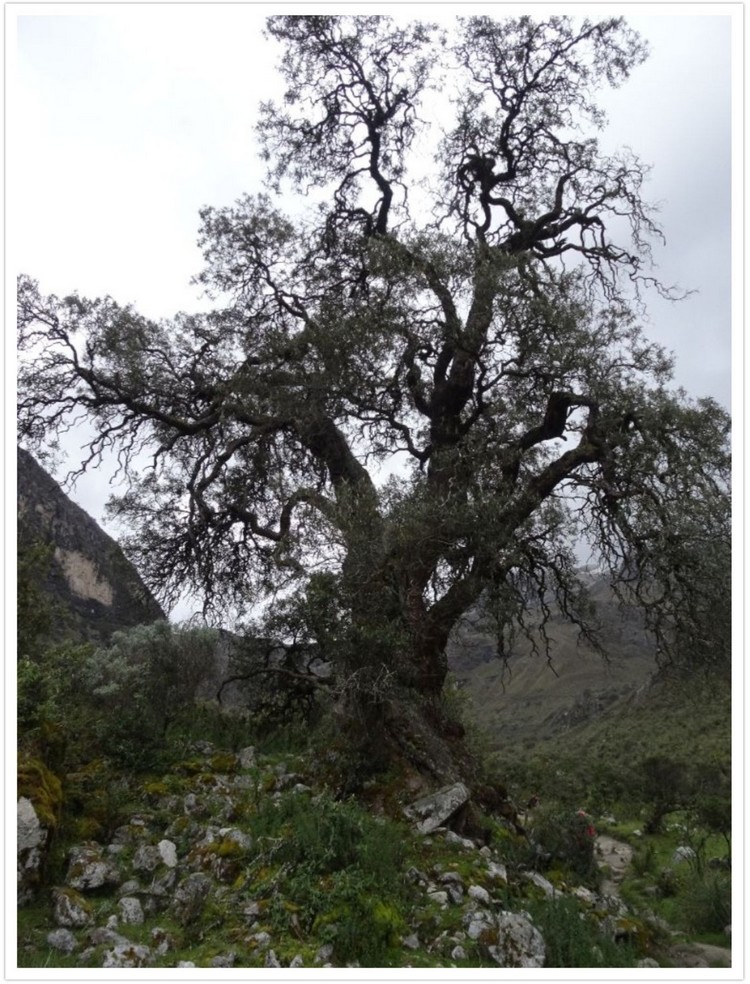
x=617, y=855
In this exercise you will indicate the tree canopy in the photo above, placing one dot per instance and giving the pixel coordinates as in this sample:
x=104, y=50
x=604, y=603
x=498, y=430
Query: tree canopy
x=425, y=380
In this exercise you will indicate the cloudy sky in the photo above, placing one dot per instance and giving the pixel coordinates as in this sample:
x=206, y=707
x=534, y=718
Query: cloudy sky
x=124, y=120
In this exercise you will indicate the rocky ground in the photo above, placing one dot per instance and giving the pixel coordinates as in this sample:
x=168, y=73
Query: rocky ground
x=191, y=879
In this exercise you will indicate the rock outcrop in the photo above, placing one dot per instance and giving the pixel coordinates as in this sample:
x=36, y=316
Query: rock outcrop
x=96, y=590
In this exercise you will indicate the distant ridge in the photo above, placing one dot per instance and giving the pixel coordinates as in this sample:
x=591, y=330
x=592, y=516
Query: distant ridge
x=97, y=591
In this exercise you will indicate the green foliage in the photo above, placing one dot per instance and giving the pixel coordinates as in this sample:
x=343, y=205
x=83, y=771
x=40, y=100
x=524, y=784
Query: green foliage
x=706, y=902
x=34, y=609
x=38, y=784
x=575, y=941
x=140, y=683
x=342, y=872
x=568, y=837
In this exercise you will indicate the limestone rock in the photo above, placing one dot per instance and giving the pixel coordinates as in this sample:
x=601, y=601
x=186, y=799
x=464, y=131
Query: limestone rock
x=128, y=955
x=190, y=897
x=520, y=944
x=69, y=909
x=32, y=840
x=131, y=910
x=89, y=869
x=433, y=810
x=63, y=940
x=168, y=853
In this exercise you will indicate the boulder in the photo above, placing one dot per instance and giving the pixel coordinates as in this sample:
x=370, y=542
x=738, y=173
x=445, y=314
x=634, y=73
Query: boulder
x=190, y=897
x=89, y=869
x=63, y=940
x=128, y=955
x=30, y=847
x=520, y=944
x=431, y=812
x=69, y=909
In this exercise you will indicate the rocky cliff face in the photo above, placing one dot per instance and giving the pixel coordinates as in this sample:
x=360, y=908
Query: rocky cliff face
x=97, y=591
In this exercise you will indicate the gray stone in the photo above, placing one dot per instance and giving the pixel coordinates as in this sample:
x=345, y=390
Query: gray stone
x=297, y=961
x=648, y=962
x=451, y=877
x=497, y=872
x=185, y=963
x=458, y=953
x=324, y=954
x=70, y=909
x=479, y=894
x=584, y=895
x=128, y=955
x=272, y=960
x=411, y=941
x=430, y=812
x=541, y=882
x=104, y=934
x=190, y=897
x=32, y=840
x=162, y=941
x=451, y=837
x=88, y=869
x=243, y=841
x=168, y=853
x=456, y=894
x=440, y=898
x=262, y=939
x=131, y=910
x=246, y=757
x=478, y=922
x=224, y=960
x=683, y=854
x=146, y=858
x=62, y=939
x=520, y=944
x=129, y=887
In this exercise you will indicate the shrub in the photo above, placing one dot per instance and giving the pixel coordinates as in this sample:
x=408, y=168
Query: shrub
x=705, y=904
x=140, y=683
x=567, y=837
x=573, y=941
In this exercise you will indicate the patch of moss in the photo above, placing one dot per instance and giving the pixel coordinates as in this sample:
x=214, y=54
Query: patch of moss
x=38, y=784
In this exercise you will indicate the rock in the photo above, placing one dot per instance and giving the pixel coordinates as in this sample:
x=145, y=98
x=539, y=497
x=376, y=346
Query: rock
x=547, y=887
x=162, y=941
x=433, y=810
x=456, y=894
x=130, y=887
x=128, y=955
x=185, y=963
x=297, y=961
x=224, y=960
x=243, y=841
x=440, y=898
x=584, y=895
x=190, y=897
x=520, y=944
x=411, y=941
x=451, y=837
x=246, y=757
x=146, y=858
x=62, y=939
x=478, y=922
x=458, y=953
x=271, y=960
x=131, y=910
x=451, y=877
x=497, y=872
x=262, y=939
x=88, y=868
x=324, y=954
x=103, y=934
x=168, y=853
x=485, y=852
x=479, y=894
x=30, y=845
x=69, y=908
x=648, y=962
x=683, y=854
x=415, y=876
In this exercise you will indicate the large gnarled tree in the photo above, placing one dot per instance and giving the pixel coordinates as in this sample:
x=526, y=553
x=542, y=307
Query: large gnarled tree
x=455, y=312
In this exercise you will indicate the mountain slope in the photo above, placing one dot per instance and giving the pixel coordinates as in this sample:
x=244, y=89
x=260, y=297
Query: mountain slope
x=96, y=590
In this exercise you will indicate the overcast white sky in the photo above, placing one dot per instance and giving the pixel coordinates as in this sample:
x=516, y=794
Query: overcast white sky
x=123, y=120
